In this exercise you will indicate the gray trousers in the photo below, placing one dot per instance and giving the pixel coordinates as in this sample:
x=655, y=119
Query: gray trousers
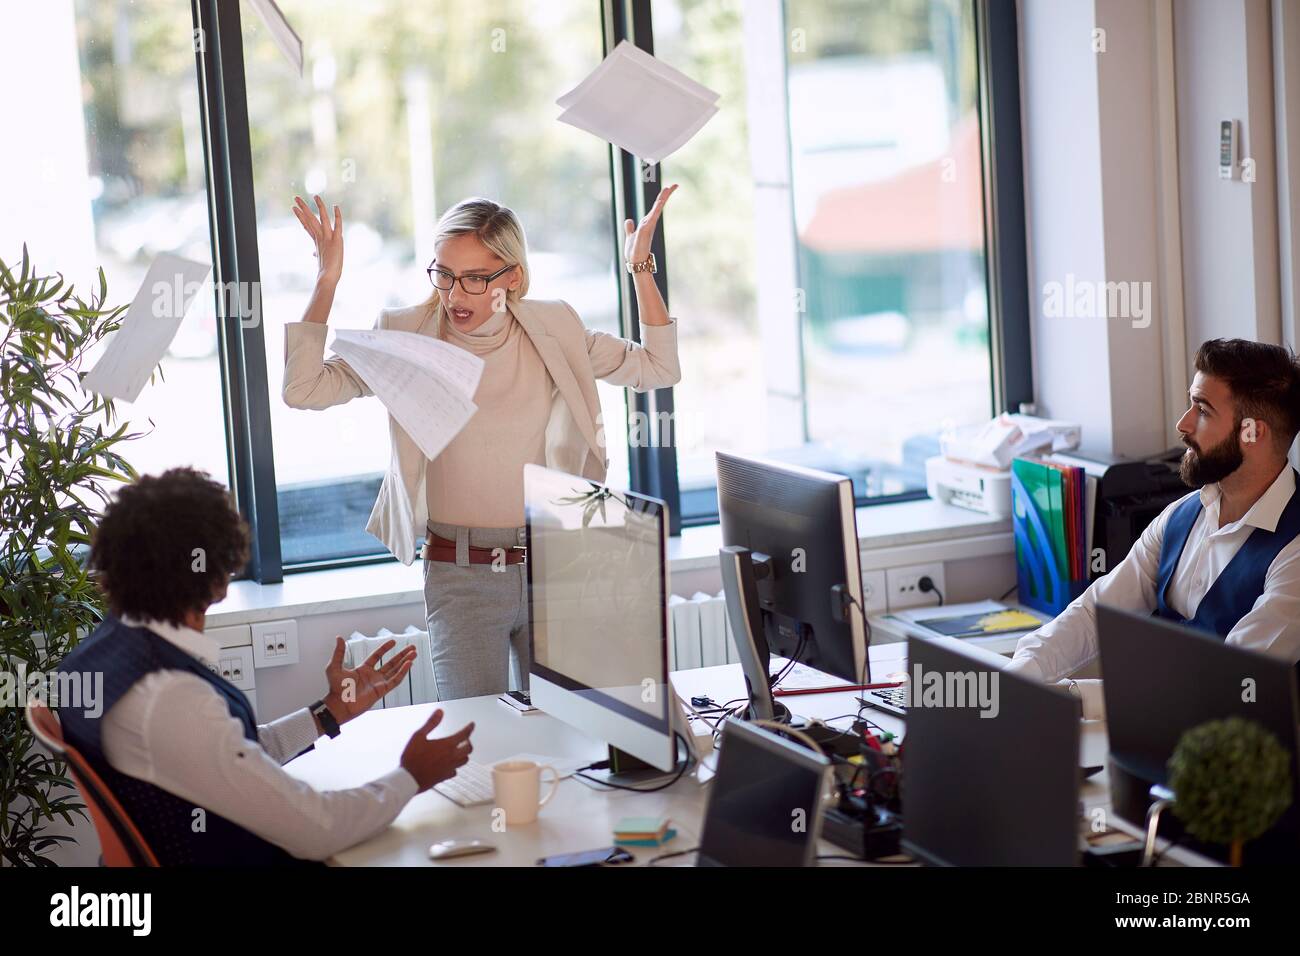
x=477, y=616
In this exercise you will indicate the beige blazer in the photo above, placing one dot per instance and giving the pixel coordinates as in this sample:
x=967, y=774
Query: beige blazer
x=574, y=355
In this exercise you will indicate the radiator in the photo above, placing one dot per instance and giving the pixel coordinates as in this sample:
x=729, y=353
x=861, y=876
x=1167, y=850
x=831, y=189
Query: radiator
x=699, y=632
x=418, y=687
x=699, y=635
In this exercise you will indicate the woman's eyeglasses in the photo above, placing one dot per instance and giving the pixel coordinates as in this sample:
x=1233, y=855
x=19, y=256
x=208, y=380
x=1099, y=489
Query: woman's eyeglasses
x=473, y=285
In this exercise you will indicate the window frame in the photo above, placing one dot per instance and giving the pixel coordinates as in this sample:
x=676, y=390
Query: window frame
x=219, y=63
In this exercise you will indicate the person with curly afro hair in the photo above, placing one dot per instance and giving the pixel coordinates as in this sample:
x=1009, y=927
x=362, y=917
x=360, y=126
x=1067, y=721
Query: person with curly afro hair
x=167, y=546
x=177, y=744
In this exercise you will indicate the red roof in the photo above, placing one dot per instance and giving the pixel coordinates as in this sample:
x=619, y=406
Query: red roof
x=916, y=210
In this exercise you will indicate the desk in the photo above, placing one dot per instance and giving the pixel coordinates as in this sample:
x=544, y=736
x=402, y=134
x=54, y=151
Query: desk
x=579, y=817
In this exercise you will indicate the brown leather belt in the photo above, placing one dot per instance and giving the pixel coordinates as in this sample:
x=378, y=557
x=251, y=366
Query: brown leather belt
x=438, y=548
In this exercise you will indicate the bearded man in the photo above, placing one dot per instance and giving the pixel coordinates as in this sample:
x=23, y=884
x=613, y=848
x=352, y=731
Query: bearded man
x=1225, y=558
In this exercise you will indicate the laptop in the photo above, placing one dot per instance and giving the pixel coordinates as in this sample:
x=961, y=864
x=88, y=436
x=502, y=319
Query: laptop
x=766, y=801
x=991, y=763
x=1161, y=679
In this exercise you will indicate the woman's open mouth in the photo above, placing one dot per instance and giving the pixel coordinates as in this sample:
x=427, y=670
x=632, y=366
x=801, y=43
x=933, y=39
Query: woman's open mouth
x=461, y=315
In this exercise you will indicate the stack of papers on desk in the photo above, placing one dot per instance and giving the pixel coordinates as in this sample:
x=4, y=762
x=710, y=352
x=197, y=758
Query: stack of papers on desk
x=639, y=104
x=978, y=622
x=643, y=831
x=426, y=384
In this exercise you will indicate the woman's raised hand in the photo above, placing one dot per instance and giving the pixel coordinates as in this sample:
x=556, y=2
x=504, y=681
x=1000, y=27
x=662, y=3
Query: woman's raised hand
x=327, y=235
x=637, y=237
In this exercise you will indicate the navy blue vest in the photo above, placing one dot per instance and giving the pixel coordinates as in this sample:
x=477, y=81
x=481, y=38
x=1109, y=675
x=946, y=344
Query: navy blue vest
x=1239, y=586
x=125, y=655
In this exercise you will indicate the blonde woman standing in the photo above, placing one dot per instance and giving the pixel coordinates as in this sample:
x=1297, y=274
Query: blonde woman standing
x=537, y=403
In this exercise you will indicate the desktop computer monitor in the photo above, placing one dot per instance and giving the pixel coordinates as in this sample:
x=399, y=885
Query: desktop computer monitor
x=764, y=785
x=991, y=763
x=790, y=571
x=1160, y=680
x=597, y=609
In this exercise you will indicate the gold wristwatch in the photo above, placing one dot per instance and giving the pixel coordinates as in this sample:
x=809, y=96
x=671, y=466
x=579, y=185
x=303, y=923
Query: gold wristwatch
x=645, y=265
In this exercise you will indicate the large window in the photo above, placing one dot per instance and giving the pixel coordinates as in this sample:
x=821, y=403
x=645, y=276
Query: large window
x=836, y=314
x=827, y=255
x=402, y=111
x=104, y=167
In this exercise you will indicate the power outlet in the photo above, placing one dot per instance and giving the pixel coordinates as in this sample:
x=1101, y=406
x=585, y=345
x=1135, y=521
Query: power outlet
x=275, y=643
x=875, y=595
x=903, y=585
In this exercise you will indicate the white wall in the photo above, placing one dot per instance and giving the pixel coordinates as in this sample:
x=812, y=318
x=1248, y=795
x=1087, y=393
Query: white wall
x=1060, y=131
x=1122, y=183
x=1286, y=105
x=1223, y=61
x=1087, y=85
x=282, y=690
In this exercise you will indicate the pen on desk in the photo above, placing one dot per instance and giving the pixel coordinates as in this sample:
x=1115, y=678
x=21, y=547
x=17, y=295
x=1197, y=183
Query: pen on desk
x=794, y=692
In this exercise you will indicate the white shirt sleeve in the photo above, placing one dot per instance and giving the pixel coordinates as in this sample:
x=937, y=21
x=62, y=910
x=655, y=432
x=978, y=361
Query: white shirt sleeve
x=174, y=731
x=1272, y=625
x=1069, y=642
x=289, y=736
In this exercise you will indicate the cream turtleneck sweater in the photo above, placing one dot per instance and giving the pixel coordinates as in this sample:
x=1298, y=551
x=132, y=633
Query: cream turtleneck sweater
x=478, y=479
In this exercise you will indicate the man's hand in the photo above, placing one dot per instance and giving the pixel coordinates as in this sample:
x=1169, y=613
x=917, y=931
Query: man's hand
x=433, y=761
x=353, y=691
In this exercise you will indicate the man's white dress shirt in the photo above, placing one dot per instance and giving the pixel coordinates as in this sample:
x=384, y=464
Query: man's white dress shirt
x=1068, y=643
x=174, y=730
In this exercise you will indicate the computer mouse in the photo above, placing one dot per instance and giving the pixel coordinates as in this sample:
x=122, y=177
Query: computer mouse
x=447, y=849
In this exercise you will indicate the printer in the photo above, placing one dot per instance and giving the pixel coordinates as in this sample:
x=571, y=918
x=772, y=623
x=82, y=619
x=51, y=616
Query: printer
x=969, y=486
x=973, y=469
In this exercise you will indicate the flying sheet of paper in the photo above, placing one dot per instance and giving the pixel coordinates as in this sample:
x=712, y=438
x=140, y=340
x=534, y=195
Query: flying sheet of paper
x=283, y=34
x=639, y=104
x=426, y=384
x=148, y=327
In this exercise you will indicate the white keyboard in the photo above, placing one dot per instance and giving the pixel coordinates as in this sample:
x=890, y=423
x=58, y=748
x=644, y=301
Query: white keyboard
x=471, y=787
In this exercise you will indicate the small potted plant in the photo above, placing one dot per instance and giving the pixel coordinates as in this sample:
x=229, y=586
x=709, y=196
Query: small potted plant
x=1231, y=781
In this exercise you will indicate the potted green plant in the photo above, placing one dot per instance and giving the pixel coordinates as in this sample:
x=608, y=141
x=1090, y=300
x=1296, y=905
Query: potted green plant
x=1231, y=781
x=58, y=465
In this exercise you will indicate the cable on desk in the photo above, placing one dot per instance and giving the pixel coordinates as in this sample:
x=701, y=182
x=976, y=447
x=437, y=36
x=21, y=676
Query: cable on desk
x=663, y=786
x=654, y=860
x=857, y=859
x=741, y=704
x=790, y=664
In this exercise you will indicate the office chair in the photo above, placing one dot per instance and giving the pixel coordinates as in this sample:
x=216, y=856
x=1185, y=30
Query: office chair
x=120, y=841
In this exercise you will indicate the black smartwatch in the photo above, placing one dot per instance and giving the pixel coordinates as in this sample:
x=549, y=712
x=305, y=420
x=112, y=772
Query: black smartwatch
x=322, y=713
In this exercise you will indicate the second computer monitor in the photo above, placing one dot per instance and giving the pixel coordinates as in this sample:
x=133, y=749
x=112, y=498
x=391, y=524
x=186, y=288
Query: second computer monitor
x=799, y=528
x=1163, y=679
x=991, y=763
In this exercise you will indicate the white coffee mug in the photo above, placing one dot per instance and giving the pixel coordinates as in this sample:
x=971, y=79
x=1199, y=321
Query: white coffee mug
x=517, y=788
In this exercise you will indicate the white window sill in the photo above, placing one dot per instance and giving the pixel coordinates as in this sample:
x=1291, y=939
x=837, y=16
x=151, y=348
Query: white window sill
x=908, y=532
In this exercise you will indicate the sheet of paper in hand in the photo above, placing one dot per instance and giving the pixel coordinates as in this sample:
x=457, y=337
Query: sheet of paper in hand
x=426, y=384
